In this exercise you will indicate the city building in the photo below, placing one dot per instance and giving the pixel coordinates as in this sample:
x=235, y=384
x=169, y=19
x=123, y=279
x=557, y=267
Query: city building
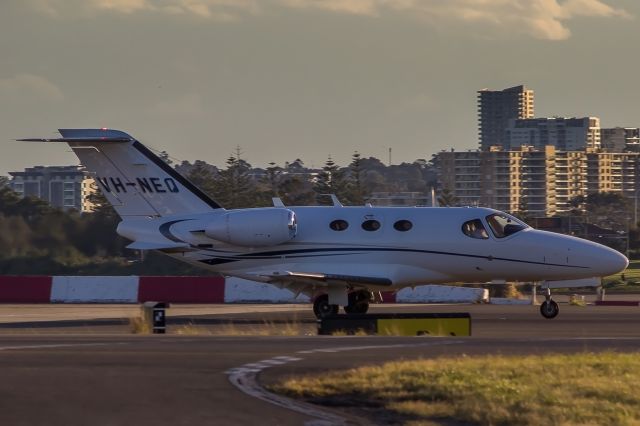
x=399, y=199
x=496, y=108
x=566, y=134
x=540, y=182
x=66, y=187
x=620, y=139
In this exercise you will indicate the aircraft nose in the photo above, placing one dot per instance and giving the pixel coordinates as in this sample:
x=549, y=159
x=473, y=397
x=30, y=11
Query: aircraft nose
x=609, y=262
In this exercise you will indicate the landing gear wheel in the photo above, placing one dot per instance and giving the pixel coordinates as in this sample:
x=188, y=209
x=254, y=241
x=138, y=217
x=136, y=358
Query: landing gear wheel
x=358, y=302
x=322, y=308
x=549, y=309
x=358, y=308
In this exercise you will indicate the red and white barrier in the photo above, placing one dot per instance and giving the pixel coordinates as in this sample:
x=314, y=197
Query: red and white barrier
x=134, y=289
x=442, y=294
x=94, y=289
x=237, y=290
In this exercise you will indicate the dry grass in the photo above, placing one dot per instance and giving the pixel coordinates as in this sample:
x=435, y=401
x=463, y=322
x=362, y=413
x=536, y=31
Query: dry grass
x=358, y=332
x=595, y=389
x=137, y=325
x=192, y=330
x=263, y=329
x=576, y=300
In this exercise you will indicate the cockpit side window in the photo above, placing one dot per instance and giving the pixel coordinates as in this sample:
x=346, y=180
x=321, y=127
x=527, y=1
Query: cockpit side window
x=475, y=229
x=502, y=225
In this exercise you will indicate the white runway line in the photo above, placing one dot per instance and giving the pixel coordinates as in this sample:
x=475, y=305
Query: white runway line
x=60, y=345
x=245, y=379
x=364, y=348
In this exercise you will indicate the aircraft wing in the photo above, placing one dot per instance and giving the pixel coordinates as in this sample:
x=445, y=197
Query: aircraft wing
x=166, y=247
x=316, y=279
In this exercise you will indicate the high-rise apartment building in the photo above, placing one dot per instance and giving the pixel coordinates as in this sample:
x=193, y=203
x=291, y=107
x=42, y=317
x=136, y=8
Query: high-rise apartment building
x=505, y=180
x=566, y=134
x=542, y=182
x=620, y=139
x=66, y=187
x=496, y=108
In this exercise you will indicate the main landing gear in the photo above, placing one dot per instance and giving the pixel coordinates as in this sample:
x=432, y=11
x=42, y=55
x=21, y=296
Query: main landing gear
x=322, y=308
x=549, y=308
x=358, y=303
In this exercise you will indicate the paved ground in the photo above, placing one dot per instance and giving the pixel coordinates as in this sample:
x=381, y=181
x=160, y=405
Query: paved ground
x=75, y=374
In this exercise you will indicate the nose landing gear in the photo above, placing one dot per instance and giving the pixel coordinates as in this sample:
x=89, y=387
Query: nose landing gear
x=549, y=308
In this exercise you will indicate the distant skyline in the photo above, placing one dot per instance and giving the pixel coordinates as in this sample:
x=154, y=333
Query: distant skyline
x=287, y=79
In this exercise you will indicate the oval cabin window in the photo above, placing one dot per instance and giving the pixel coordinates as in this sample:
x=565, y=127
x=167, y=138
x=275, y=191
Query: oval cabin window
x=339, y=225
x=371, y=225
x=402, y=225
x=475, y=229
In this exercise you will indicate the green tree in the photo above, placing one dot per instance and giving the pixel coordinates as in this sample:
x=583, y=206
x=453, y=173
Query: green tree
x=233, y=186
x=331, y=180
x=523, y=211
x=164, y=156
x=447, y=198
x=609, y=210
x=357, y=192
x=295, y=190
x=272, y=180
x=202, y=176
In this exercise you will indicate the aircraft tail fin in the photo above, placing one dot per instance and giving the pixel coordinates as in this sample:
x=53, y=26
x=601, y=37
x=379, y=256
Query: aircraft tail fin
x=132, y=178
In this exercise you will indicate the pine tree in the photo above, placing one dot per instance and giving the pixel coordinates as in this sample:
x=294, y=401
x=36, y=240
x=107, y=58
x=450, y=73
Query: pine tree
x=164, y=156
x=523, y=210
x=272, y=179
x=357, y=192
x=233, y=186
x=331, y=180
x=202, y=176
x=447, y=198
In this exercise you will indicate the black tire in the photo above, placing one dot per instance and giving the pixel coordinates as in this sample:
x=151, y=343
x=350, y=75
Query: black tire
x=549, y=309
x=358, y=302
x=362, y=308
x=322, y=308
x=358, y=308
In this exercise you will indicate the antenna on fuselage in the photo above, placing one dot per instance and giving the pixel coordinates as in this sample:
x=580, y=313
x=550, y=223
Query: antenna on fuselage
x=277, y=202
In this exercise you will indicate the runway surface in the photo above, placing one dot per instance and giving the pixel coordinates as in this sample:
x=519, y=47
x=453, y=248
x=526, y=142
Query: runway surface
x=66, y=375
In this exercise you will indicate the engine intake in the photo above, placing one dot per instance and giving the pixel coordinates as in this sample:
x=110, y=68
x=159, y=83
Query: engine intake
x=254, y=228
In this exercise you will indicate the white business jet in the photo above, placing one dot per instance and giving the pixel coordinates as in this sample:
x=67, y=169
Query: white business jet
x=339, y=256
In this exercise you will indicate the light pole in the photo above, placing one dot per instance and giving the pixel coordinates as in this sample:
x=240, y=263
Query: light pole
x=627, y=251
x=635, y=208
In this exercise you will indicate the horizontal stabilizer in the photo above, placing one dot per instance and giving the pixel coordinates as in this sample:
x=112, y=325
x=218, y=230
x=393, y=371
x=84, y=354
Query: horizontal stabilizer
x=79, y=140
x=86, y=135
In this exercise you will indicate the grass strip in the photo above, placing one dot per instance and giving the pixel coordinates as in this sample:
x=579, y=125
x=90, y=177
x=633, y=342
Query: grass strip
x=585, y=388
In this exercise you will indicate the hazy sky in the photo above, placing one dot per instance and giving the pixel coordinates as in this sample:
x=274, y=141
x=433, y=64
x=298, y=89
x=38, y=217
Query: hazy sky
x=303, y=78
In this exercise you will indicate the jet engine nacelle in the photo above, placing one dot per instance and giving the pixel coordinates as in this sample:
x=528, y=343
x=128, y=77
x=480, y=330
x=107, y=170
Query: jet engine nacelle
x=254, y=228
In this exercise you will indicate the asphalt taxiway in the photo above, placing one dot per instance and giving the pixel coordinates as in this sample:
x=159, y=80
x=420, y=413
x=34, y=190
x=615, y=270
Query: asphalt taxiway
x=67, y=375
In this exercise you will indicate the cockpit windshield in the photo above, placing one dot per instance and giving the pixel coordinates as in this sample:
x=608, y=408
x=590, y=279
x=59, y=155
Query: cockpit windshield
x=504, y=225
